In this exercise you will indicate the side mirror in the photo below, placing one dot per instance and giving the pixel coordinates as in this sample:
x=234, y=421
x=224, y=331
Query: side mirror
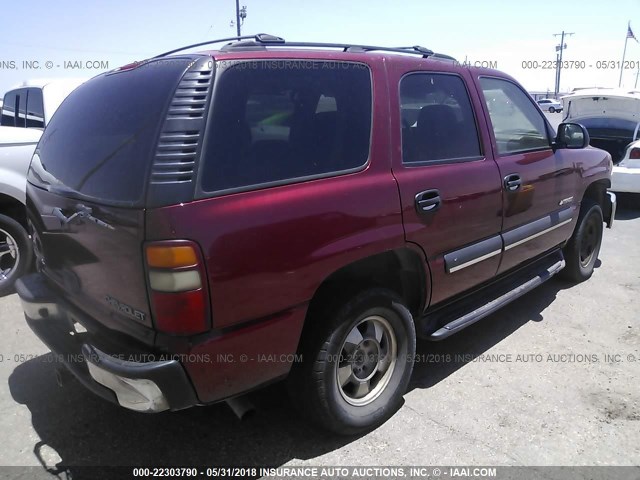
x=572, y=135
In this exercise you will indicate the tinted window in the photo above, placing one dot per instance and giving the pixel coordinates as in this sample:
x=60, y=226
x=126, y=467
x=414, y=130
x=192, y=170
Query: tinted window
x=8, y=109
x=21, y=119
x=35, y=108
x=518, y=126
x=279, y=120
x=437, y=119
x=101, y=140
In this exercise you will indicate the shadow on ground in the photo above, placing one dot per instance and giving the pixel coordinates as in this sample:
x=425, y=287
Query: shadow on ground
x=628, y=206
x=86, y=430
x=438, y=360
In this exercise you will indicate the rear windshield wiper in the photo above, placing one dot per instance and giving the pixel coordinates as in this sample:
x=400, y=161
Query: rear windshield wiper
x=69, y=192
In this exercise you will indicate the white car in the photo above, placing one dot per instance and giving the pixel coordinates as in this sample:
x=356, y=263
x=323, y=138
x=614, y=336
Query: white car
x=32, y=103
x=550, y=105
x=26, y=110
x=626, y=174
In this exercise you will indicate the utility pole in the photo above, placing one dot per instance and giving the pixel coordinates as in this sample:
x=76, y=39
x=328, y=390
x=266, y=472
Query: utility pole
x=241, y=14
x=560, y=48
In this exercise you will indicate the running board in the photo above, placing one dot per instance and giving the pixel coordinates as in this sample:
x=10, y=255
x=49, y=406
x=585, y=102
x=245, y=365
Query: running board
x=509, y=289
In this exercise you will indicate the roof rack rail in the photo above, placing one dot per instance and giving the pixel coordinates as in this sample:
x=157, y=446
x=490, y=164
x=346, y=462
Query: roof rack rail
x=266, y=40
x=261, y=38
x=419, y=49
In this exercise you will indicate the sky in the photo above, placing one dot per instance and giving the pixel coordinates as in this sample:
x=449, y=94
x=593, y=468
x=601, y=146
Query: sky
x=516, y=37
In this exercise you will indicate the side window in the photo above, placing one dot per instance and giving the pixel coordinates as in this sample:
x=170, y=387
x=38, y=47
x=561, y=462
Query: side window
x=277, y=121
x=518, y=126
x=270, y=116
x=21, y=119
x=437, y=119
x=35, y=108
x=9, y=110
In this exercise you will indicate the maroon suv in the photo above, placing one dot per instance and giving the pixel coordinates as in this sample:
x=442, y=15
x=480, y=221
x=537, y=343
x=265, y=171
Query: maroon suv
x=205, y=224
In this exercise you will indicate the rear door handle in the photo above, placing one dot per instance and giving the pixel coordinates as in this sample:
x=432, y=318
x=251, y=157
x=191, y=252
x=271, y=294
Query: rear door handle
x=512, y=182
x=428, y=201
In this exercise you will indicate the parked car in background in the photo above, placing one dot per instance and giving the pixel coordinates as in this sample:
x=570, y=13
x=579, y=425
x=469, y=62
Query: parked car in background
x=26, y=110
x=626, y=174
x=300, y=211
x=550, y=105
x=33, y=103
x=16, y=149
x=610, y=115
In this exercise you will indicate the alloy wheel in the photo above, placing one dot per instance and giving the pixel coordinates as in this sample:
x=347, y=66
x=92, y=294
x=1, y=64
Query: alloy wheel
x=9, y=255
x=367, y=360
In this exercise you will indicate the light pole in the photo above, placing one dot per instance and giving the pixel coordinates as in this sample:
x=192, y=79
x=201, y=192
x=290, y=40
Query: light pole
x=560, y=48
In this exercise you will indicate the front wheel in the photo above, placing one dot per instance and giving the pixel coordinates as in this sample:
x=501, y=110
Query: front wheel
x=552, y=110
x=15, y=253
x=582, y=249
x=358, y=365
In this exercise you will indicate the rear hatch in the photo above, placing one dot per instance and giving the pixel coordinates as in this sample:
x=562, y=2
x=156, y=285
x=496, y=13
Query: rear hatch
x=87, y=186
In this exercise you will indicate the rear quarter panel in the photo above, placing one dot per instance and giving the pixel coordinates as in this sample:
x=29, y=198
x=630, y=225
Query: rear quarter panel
x=269, y=250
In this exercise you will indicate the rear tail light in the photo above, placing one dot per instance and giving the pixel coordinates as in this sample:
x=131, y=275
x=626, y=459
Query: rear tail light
x=634, y=154
x=178, y=287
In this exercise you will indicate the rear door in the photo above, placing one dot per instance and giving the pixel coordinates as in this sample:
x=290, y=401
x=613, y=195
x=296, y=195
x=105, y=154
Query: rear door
x=537, y=183
x=449, y=183
x=86, y=192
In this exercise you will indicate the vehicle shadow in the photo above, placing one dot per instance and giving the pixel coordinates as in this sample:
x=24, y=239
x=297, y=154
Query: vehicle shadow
x=10, y=292
x=437, y=360
x=627, y=214
x=85, y=430
x=628, y=206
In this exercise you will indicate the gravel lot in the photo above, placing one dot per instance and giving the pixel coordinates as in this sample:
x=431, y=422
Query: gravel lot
x=553, y=379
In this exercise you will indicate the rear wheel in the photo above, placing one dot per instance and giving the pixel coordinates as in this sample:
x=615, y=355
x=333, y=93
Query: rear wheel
x=15, y=253
x=581, y=251
x=357, y=365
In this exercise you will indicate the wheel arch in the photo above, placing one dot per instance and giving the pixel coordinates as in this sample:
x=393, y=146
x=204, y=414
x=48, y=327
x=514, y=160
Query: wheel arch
x=597, y=191
x=13, y=208
x=404, y=271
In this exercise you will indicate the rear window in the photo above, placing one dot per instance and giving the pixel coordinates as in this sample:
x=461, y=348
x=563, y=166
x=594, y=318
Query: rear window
x=285, y=120
x=101, y=140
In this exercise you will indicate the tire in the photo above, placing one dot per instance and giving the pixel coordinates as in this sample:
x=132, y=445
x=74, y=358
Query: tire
x=552, y=110
x=581, y=251
x=371, y=336
x=15, y=253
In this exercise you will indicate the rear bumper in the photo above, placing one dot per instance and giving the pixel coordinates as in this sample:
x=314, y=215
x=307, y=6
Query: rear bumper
x=625, y=180
x=132, y=377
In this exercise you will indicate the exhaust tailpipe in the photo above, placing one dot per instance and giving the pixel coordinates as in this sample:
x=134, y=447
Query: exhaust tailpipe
x=241, y=406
